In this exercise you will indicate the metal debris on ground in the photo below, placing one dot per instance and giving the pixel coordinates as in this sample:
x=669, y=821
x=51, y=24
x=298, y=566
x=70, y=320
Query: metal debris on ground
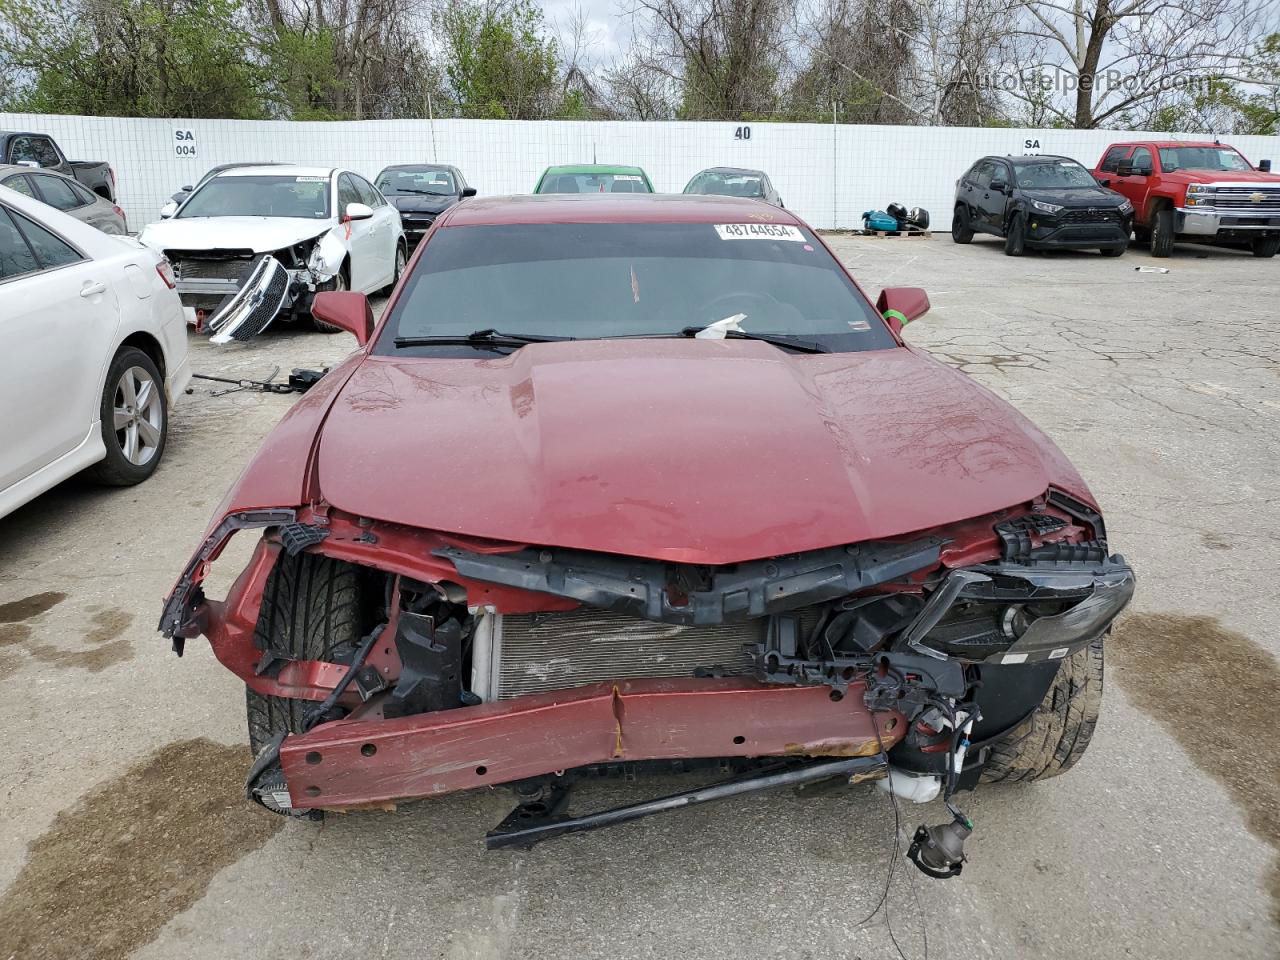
x=300, y=381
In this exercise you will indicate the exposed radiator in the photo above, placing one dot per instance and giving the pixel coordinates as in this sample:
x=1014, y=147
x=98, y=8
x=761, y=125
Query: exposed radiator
x=533, y=653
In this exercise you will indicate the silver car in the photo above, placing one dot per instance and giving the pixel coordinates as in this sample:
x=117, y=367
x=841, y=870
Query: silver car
x=63, y=193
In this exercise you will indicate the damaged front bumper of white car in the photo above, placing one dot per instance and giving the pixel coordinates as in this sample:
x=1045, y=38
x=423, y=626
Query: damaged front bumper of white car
x=264, y=289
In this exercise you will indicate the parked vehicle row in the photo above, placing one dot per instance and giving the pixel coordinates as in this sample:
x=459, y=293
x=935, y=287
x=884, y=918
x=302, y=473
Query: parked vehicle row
x=39, y=151
x=1162, y=192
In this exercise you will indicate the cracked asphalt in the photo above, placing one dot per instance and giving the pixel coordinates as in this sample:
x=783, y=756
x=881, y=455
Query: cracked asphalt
x=122, y=831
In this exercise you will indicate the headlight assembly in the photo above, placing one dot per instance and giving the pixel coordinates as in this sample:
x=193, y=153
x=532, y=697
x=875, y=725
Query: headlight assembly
x=1010, y=613
x=1126, y=208
x=1046, y=207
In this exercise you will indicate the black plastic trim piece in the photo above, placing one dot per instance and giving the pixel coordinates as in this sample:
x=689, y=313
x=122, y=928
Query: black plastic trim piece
x=657, y=591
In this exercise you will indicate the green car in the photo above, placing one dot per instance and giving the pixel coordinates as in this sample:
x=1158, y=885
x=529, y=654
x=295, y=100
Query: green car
x=593, y=178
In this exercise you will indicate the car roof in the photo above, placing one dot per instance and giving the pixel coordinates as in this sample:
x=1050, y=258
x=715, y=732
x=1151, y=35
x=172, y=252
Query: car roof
x=1034, y=158
x=572, y=168
x=735, y=170
x=1170, y=143
x=613, y=208
x=279, y=170
x=418, y=166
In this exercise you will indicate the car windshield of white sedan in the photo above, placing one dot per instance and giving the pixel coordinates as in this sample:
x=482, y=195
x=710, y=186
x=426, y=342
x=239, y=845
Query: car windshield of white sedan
x=433, y=183
x=590, y=281
x=1201, y=158
x=260, y=196
x=726, y=184
x=1053, y=175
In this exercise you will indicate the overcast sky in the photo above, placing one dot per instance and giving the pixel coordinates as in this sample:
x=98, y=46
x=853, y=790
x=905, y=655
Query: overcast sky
x=609, y=33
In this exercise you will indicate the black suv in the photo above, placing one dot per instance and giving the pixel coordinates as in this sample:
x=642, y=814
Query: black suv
x=1040, y=201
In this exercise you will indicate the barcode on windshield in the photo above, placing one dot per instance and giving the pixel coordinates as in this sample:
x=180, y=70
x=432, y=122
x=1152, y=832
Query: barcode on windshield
x=758, y=231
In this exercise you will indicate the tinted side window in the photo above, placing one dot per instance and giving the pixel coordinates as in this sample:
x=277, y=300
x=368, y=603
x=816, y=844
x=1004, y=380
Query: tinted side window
x=347, y=193
x=57, y=193
x=52, y=251
x=1142, y=159
x=1001, y=171
x=22, y=185
x=1112, y=160
x=33, y=149
x=368, y=195
x=16, y=257
x=982, y=173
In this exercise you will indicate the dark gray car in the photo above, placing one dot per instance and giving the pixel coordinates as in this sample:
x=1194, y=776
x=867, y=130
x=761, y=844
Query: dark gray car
x=63, y=193
x=421, y=192
x=735, y=182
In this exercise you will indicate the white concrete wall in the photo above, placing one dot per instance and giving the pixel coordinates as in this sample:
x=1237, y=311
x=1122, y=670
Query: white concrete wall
x=827, y=175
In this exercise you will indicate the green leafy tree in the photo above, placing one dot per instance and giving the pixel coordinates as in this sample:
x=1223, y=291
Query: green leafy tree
x=133, y=58
x=498, y=60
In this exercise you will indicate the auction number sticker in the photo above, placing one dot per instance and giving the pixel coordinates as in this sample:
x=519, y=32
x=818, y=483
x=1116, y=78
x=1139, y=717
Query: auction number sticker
x=626, y=176
x=759, y=231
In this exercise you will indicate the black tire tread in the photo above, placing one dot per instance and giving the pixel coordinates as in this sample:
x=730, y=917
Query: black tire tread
x=310, y=604
x=1162, y=237
x=1015, y=238
x=1054, y=738
x=961, y=232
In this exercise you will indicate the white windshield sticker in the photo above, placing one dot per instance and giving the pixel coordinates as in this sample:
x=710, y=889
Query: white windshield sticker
x=311, y=179
x=626, y=176
x=759, y=231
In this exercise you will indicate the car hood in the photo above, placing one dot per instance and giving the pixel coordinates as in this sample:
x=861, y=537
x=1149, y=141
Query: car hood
x=1225, y=176
x=1077, y=197
x=413, y=203
x=691, y=451
x=259, y=234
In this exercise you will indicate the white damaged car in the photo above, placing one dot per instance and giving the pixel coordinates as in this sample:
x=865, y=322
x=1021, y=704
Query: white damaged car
x=256, y=242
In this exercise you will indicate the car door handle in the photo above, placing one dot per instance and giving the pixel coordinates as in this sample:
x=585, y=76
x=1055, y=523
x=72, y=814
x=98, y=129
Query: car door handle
x=92, y=288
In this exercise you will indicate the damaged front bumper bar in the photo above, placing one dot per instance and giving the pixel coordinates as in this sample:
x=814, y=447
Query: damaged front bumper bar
x=356, y=763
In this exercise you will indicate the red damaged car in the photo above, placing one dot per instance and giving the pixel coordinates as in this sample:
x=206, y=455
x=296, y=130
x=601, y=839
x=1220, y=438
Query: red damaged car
x=625, y=481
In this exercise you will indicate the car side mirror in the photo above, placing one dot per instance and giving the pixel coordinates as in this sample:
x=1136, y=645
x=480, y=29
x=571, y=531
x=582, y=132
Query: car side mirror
x=1124, y=168
x=1264, y=166
x=347, y=310
x=188, y=188
x=358, y=211
x=168, y=210
x=999, y=186
x=1142, y=171
x=471, y=191
x=900, y=305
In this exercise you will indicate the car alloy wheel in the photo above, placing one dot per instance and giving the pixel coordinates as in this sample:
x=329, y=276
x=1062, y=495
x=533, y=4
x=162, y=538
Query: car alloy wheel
x=139, y=416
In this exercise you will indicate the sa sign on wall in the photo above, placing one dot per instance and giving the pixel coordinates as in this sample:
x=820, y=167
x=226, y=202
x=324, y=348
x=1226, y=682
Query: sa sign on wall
x=1031, y=145
x=184, y=143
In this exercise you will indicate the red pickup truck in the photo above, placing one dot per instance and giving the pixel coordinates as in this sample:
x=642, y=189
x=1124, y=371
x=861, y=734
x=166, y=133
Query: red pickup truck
x=1195, y=192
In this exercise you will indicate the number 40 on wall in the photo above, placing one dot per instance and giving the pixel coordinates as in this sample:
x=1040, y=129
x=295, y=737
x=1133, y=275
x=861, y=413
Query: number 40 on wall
x=742, y=133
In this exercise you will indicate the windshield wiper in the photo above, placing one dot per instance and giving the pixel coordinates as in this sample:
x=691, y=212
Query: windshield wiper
x=784, y=340
x=424, y=193
x=479, y=338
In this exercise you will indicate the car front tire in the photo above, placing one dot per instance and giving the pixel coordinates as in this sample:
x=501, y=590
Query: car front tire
x=1054, y=738
x=1162, y=233
x=135, y=420
x=1267, y=247
x=1015, y=240
x=961, y=232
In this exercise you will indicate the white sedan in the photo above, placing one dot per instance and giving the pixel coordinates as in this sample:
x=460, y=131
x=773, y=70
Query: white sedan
x=254, y=241
x=92, y=326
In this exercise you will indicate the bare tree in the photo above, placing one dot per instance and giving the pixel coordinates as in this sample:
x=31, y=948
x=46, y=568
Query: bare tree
x=1102, y=60
x=728, y=57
